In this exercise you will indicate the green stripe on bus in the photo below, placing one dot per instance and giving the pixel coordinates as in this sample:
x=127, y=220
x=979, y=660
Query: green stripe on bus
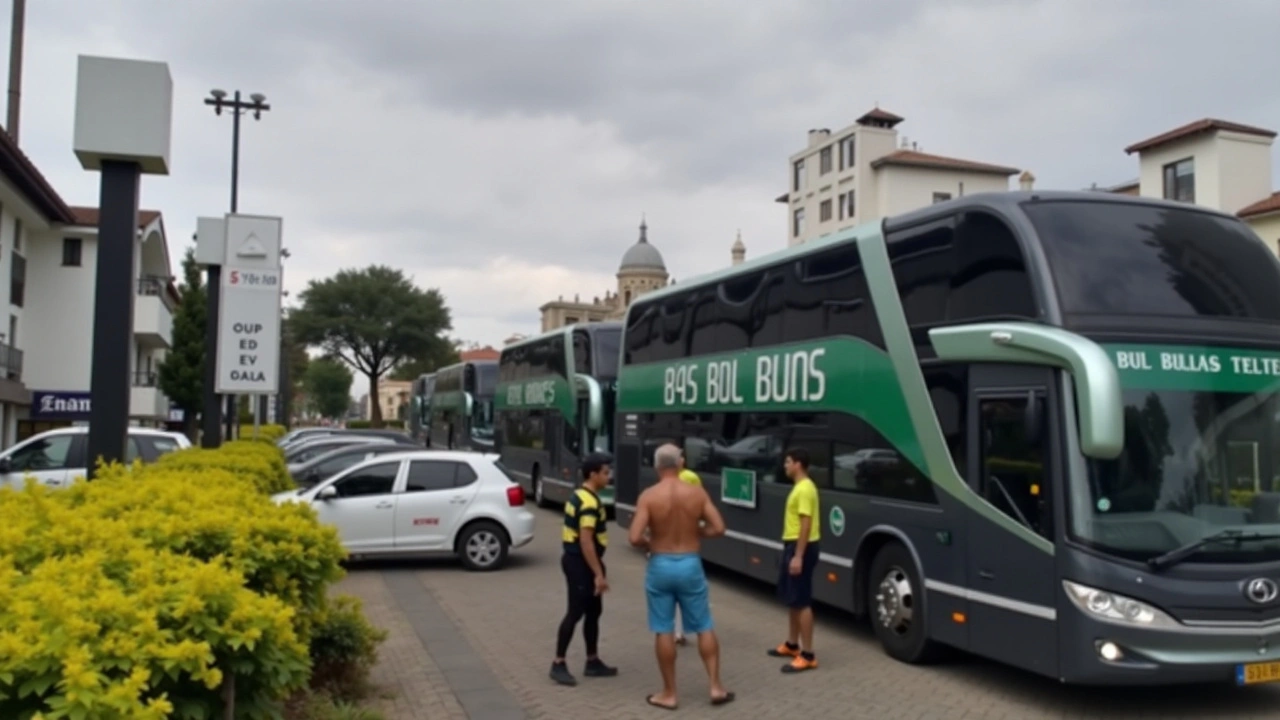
x=834, y=374
x=548, y=391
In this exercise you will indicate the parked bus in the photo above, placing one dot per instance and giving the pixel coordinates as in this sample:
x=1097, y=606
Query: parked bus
x=1046, y=428
x=462, y=406
x=420, y=408
x=555, y=403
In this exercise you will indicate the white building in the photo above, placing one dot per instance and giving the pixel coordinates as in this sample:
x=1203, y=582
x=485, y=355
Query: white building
x=48, y=256
x=864, y=172
x=1216, y=163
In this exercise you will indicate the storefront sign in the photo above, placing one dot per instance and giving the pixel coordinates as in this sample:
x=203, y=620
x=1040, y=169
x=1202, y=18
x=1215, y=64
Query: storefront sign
x=59, y=405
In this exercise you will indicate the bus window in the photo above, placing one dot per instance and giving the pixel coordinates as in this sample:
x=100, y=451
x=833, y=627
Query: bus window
x=1013, y=477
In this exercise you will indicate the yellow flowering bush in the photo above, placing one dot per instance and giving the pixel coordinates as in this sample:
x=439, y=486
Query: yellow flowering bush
x=261, y=463
x=138, y=594
x=266, y=433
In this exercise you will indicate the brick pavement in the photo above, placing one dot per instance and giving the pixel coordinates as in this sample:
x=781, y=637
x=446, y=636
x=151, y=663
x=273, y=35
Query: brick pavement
x=507, y=619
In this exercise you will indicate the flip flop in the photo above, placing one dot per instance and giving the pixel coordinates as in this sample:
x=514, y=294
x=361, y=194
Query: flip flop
x=650, y=699
x=723, y=699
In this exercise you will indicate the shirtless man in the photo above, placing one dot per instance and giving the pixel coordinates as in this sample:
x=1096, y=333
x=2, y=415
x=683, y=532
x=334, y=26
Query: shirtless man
x=671, y=519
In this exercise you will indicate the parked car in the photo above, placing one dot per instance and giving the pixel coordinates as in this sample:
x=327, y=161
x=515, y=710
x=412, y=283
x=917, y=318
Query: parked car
x=308, y=449
x=424, y=502
x=57, y=457
x=288, y=443
x=322, y=467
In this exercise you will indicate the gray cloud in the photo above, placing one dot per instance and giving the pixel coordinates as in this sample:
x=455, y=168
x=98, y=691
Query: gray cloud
x=504, y=150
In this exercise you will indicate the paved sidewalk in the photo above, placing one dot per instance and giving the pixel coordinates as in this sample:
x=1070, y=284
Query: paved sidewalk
x=477, y=646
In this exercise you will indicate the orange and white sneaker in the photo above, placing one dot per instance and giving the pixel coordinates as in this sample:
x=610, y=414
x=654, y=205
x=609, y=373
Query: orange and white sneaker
x=785, y=650
x=800, y=663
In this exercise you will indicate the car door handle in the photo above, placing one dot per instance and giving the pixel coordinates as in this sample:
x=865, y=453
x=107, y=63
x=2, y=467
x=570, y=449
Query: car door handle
x=458, y=500
x=986, y=575
x=384, y=506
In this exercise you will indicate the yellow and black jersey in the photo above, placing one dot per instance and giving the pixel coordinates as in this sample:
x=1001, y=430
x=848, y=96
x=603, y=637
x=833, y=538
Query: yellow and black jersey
x=584, y=511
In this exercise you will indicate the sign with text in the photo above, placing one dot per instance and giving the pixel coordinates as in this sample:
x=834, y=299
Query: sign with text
x=1196, y=368
x=60, y=405
x=738, y=487
x=249, y=309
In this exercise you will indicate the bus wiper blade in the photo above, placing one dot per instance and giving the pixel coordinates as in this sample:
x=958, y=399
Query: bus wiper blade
x=1177, y=555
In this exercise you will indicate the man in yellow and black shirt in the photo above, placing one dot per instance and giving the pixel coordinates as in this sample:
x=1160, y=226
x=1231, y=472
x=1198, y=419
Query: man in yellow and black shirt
x=586, y=537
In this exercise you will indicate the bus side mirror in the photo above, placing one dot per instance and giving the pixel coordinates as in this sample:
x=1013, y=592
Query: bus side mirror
x=1033, y=419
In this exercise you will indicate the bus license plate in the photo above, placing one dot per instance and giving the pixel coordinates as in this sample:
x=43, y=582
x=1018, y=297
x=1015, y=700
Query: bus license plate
x=1255, y=673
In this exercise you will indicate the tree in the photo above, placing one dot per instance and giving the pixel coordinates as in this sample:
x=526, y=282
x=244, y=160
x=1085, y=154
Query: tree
x=372, y=319
x=328, y=386
x=181, y=374
x=442, y=354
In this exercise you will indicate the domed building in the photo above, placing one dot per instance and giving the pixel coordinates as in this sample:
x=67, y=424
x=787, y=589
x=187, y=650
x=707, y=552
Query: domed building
x=642, y=270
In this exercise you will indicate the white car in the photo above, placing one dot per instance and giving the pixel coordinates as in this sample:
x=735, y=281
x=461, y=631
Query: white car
x=57, y=457
x=424, y=502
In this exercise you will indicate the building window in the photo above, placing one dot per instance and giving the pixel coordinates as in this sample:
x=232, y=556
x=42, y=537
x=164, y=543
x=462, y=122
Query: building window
x=824, y=160
x=1180, y=180
x=824, y=211
x=797, y=223
x=847, y=155
x=71, y=248
x=17, y=234
x=846, y=205
x=18, y=280
x=799, y=181
x=941, y=197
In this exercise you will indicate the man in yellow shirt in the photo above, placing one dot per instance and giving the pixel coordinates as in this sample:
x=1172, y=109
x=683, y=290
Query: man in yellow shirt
x=800, y=534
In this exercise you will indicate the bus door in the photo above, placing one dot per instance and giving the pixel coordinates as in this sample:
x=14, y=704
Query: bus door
x=1013, y=584
x=553, y=442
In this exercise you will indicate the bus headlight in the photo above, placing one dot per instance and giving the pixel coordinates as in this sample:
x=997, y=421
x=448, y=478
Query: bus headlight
x=1113, y=608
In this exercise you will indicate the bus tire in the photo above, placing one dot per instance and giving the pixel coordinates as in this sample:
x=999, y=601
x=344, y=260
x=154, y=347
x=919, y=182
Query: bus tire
x=539, y=496
x=896, y=606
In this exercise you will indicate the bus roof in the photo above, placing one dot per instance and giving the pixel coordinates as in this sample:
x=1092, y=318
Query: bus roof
x=1005, y=202
x=588, y=326
x=459, y=365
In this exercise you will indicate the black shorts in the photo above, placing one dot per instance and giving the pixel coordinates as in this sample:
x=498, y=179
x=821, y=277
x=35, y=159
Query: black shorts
x=796, y=591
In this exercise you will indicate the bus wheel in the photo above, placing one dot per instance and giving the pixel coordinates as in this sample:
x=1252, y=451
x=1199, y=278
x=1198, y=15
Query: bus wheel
x=538, y=498
x=896, y=604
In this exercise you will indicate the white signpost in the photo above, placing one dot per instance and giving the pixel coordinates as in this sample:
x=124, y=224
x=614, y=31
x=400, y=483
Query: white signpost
x=249, y=308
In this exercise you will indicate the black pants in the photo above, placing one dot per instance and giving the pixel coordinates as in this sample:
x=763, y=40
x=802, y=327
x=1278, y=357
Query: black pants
x=584, y=605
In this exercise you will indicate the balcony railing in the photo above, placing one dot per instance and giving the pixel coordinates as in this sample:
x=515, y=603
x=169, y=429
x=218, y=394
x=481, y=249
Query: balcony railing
x=10, y=362
x=145, y=378
x=152, y=285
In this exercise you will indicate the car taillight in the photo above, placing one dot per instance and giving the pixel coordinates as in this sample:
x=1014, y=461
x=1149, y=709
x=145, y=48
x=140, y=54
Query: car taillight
x=515, y=496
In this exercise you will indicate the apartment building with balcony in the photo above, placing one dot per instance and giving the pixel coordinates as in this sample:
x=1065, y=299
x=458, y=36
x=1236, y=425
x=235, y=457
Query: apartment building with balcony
x=865, y=172
x=1216, y=163
x=61, y=285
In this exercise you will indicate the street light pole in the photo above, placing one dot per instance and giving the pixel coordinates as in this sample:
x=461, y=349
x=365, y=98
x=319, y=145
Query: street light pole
x=257, y=105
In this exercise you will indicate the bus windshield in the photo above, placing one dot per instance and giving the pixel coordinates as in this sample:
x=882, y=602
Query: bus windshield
x=1194, y=462
x=486, y=379
x=607, y=344
x=482, y=419
x=1150, y=260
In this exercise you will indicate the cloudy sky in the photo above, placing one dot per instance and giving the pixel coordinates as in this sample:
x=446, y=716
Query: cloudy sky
x=504, y=150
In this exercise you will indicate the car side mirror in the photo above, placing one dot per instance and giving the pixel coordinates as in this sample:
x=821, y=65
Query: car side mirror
x=328, y=492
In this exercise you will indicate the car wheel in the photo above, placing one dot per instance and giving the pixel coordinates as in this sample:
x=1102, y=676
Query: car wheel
x=897, y=605
x=483, y=546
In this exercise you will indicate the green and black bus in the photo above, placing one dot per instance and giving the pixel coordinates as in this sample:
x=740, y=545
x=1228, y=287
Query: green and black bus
x=420, y=408
x=462, y=406
x=1046, y=428
x=555, y=403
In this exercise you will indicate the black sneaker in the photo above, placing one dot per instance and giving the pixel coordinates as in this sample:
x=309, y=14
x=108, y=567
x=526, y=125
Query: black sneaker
x=560, y=673
x=597, y=668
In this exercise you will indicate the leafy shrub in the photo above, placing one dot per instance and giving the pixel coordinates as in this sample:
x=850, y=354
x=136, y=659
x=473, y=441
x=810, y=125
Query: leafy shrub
x=266, y=433
x=138, y=594
x=344, y=649
x=259, y=462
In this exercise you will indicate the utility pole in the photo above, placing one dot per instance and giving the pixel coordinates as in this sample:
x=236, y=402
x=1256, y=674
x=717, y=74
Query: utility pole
x=257, y=104
x=17, y=30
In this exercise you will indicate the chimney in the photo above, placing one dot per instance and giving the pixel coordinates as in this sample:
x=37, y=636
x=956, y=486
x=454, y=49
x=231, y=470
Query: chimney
x=1026, y=181
x=15, y=68
x=818, y=136
x=905, y=142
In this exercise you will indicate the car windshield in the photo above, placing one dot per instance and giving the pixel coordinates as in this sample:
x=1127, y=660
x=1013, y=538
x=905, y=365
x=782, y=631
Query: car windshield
x=1201, y=454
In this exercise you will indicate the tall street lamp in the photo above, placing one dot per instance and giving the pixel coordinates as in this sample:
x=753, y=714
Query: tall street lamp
x=257, y=104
